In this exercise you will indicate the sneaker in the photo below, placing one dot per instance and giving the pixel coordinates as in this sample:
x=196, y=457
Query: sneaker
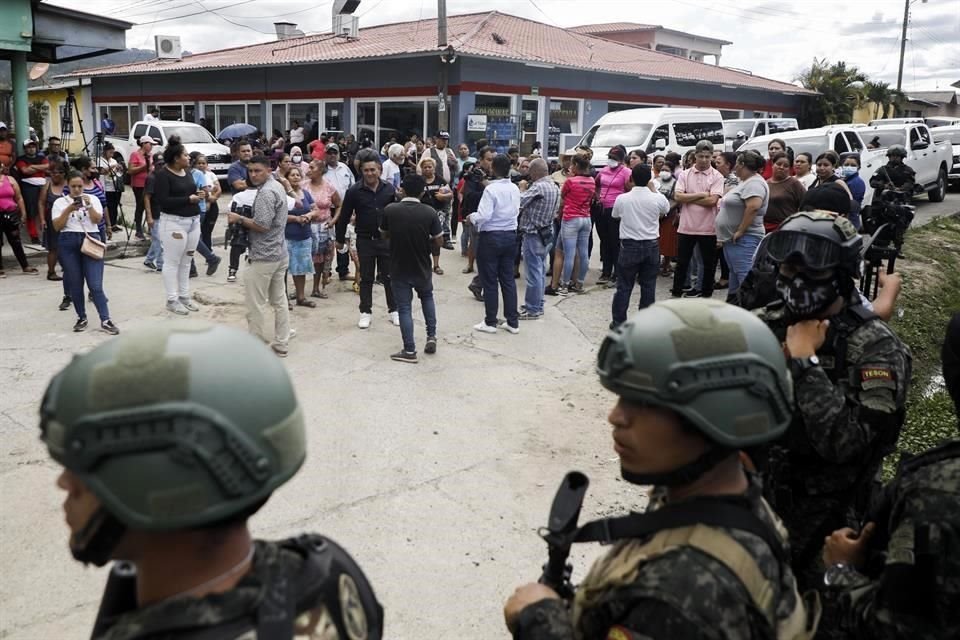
x=189, y=304
x=449, y=246
x=65, y=303
x=213, y=265
x=614, y=324
x=292, y=334
x=483, y=327
x=344, y=276
x=109, y=327
x=193, y=272
x=176, y=307
x=279, y=350
x=159, y=268
x=405, y=356
x=232, y=275
x=365, y=319
x=508, y=328
x=527, y=315
x=692, y=294
x=431, y=346
x=563, y=291
x=577, y=288
x=476, y=291
x=81, y=325
x=603, y=279
x=550, y=291
x=150, y=265
x=689, y=289
x=395, y=318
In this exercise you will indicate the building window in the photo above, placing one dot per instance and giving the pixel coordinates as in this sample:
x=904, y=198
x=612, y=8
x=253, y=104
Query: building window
x=674, y=51
x=182, y=112
x=333, y=117
x=689, y=133
x=564, y=119
x=302, y=113
x=367, y=122
x=492, y=105
x=529, y=125
x=121, y=118
x=401, y=120
x=253, y=116
x=228, y=114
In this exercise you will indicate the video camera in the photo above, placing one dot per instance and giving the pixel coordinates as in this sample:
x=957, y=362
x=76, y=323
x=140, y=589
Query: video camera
x=237, y=235
x=887, y=221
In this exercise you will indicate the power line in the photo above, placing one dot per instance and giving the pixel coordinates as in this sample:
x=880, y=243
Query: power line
x=195, y=13
x=238, y=24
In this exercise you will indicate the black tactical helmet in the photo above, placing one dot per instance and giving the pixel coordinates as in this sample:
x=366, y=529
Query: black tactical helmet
x=897, y=150
x=819, y=240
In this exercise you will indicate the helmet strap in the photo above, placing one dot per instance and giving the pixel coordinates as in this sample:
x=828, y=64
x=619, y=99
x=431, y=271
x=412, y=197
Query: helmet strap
x=685, y=474
x=94, y=544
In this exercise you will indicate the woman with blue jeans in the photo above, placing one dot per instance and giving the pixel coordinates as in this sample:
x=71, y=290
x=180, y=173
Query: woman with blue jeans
x=75, y=216
x=740, y=221
x=176, y=196
x=577, y=193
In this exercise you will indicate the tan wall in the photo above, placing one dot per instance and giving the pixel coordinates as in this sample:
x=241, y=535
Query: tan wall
x=868, y=112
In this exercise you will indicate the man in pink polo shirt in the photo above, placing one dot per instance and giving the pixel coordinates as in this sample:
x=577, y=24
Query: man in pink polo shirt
x=699, y=190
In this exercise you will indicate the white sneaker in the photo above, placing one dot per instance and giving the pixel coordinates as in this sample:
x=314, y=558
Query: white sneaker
x=483, y=327
x=176, y=307
x=364, y=322
x=507, y=327
x=293, y=334
x=395, y=318
x=188, y=303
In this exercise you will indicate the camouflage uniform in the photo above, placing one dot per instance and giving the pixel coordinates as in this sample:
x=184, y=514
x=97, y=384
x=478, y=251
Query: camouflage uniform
x=328, y=607
x=902, y=176
x=849, y=413
x=915, y=590
x=680, y=595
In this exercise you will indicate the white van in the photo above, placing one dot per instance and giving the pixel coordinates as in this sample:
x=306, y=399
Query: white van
x=653, y=130
x=753, y=127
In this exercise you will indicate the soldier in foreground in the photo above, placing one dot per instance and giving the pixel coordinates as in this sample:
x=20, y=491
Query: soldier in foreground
x=696, y=381
x=850, y=379
x=900, y=577
x=163, y=477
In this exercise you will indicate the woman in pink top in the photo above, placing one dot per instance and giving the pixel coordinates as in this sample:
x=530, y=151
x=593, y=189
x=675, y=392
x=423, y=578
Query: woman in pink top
x=13, y=212
x=326, y=202
x=611, y=182
x=138, y=169
x=577, y=193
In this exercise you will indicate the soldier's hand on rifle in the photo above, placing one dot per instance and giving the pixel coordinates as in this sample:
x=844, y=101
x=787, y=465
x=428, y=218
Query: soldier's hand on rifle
x=805, y=337
x=846, y=547
x=522, y=598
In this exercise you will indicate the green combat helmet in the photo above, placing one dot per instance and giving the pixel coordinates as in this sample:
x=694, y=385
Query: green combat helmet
x=818, y=239
x=716, y=365
x=206, y=427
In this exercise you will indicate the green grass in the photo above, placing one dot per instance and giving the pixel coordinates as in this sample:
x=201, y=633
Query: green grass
x=930, y=296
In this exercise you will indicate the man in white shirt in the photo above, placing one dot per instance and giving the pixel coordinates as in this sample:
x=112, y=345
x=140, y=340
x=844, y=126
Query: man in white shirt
x=496, y=223
x=153, y=115
x=342, y=179
x=396, y=157
x=639, y=211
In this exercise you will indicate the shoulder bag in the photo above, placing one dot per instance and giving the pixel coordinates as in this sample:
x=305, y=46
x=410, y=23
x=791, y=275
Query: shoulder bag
x=92, y=248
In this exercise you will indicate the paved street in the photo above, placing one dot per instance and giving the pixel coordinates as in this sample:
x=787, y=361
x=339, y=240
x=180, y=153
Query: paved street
x=435, y=476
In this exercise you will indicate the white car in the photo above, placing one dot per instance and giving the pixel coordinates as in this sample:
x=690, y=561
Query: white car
x=950, y=135
x=192, y=136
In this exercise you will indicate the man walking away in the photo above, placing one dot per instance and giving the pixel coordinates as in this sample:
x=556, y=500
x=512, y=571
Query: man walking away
x=639, y=212
x=367, y=199
x=699, y=190
x=538, y=206
x=496, y=222
x=265, y=278
x=414, y=231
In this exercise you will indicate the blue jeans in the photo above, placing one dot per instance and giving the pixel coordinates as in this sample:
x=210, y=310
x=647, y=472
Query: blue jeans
x=403, y=289
x=78, y=268
x=155, y=252
x=739, y=256
x=575, y=235
x=496, y=251
x=535, y=257
x=639, y=259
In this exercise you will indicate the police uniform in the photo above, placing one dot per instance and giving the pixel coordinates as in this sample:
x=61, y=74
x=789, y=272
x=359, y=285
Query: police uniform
x=900, y=175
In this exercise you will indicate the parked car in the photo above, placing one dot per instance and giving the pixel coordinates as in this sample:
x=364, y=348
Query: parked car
x=951, y=136
x=193, y=136
x=653, y=130
x=753, y=127
x=882, y=121
x=941, y=122
x=927, y=153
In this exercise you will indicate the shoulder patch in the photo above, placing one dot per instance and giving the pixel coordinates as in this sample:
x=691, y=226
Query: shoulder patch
x=620, y=633
x=876, y=373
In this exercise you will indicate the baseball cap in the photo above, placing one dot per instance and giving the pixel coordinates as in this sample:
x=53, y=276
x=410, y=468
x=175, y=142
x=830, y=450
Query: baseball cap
x=332, y=148
x=444, y=135
x=144, y=139
x=3, y=125
x=28, y=142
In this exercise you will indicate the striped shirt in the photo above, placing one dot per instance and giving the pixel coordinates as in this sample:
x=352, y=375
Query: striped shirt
x=538, y=205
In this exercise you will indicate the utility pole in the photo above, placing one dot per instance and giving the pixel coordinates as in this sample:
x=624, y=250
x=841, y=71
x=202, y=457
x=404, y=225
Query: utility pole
x=444, y=113
x=903, y=41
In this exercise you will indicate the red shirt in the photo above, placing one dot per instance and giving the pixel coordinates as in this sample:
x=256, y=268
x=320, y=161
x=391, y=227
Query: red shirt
x=138, y=180
x=318, y=150
x=577, y=194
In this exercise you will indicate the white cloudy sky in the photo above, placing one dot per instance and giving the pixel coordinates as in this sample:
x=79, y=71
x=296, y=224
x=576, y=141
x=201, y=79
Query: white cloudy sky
x=773, y=39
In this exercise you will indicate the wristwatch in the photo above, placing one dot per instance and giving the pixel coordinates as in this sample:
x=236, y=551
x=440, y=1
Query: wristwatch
x=799, y=366
x=842, y=575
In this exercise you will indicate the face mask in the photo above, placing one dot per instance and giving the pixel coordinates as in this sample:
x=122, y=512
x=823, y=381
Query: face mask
x=807, y=298
x=296, y=158
x=848, y=172
x=665, y=175
x=612, y=163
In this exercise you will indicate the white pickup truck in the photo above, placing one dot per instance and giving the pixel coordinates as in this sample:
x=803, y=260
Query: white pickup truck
x=192, y=136
x=951, y=135
x=927, y=154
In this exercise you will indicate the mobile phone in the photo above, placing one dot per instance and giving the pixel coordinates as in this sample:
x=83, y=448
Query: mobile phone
x=78, y=202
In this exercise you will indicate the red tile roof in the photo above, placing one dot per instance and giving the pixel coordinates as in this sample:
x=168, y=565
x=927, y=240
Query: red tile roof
x=613, y=27
x=475, y=34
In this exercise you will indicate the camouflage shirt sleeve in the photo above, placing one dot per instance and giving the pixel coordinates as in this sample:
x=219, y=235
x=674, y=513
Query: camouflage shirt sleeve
x=648, y=619
x=843, y=421
x=545, y=620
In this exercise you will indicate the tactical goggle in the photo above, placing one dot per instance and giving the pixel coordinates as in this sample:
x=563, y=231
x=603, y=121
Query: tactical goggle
x=814, y=252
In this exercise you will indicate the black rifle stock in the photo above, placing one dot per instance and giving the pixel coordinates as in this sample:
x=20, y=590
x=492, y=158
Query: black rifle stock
x=560, y=531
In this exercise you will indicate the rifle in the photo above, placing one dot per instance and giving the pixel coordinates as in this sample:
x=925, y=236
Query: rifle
x=560, y=532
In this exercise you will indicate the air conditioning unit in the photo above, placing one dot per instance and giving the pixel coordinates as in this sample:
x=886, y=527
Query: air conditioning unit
x=345, y=26
x=168, y=47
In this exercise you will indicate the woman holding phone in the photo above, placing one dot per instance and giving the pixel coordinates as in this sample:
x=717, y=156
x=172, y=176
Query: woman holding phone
x=77, y=216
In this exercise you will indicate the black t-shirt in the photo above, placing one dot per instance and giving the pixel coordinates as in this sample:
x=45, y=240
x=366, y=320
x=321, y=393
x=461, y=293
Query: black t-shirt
x=430, y=194
x=412, y=227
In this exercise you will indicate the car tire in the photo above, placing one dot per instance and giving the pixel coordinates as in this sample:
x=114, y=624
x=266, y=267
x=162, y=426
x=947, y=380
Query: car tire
x=940, y=191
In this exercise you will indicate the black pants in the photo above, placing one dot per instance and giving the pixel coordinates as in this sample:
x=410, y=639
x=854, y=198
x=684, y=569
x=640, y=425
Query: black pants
x=374, y=255
x=11, y=229
x=208, y=222
x=343, y=264
x=597, y=222
x=724, y=267
x=138, y=210
x=113, y=201
x=610, y=243
x=708, y=251
x=235, y=253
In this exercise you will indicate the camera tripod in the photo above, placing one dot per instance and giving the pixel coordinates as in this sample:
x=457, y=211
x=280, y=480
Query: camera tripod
x=873, y=258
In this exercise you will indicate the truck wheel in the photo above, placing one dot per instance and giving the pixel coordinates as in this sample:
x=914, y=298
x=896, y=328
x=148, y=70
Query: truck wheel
x=940, y=191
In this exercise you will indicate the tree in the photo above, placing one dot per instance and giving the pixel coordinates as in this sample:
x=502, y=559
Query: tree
x=883, y=97
x=841, y=90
